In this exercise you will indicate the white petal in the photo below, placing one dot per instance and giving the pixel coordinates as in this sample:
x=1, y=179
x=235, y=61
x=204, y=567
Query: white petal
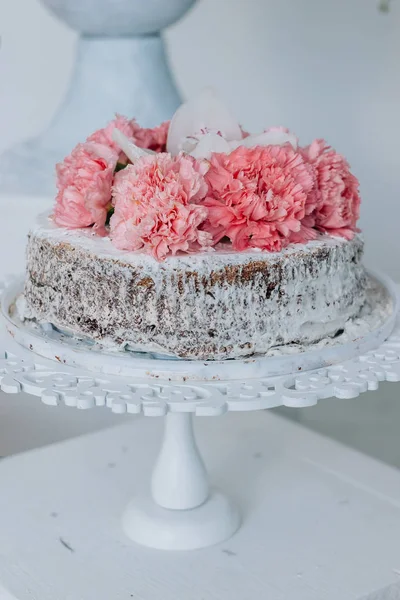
x=189, y=144
x=274, y=137
x=208, y=143
x=205, y=112
x=132, y=151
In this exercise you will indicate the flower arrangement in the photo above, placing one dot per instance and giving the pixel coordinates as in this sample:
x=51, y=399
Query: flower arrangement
x=189, y=184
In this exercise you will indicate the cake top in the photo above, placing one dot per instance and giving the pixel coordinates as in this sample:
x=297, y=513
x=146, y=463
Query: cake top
x=222, y=255
x=199, y=180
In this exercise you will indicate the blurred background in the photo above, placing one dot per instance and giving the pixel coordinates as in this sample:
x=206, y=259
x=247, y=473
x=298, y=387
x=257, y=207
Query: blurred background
x=323, y=68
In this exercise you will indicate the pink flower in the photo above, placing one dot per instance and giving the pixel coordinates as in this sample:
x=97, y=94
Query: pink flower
x=84, y=181
x=104, y=136
x=151, y=139
x=257, y=196
x=154, y=206
x=306, y=232
x=334, y=203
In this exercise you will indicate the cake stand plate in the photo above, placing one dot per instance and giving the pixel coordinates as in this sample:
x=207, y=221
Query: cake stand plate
x=56, y=345
x=180, y=511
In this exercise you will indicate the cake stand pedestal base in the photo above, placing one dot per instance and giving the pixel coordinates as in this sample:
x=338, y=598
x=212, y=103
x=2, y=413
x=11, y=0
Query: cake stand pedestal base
x=148, y=524
x=181, y=513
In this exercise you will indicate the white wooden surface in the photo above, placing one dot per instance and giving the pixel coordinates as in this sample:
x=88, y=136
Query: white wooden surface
x=392, y=592
x=321, y=522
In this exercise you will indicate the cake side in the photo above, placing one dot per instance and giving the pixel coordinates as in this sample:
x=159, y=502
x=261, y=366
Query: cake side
x=213, y=305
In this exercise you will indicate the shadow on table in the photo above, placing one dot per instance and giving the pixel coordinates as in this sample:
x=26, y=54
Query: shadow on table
x=369, y=423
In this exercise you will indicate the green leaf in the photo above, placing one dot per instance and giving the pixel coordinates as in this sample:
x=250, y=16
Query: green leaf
x=110, y=213
x=119, y=167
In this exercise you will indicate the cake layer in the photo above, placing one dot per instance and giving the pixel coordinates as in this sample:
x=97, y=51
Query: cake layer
x=213, y=305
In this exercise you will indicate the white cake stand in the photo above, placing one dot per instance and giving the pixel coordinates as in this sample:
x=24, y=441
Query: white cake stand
x=179, y=511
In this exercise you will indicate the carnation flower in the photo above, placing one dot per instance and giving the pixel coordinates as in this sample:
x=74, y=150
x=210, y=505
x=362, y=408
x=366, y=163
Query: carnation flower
x=306, y=233
x=154, y=206
x=151, y=138
x=104, y=136
x=334, y=203
x=84, y=181
x=257, y=196
x=85, y=177
x=154, y=139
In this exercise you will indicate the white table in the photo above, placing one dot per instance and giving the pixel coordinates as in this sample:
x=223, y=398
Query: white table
x=321, y=522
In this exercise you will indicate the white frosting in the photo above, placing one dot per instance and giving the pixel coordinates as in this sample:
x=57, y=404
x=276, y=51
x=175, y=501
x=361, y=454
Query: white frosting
x=374, y=313
x=242, y=316
x=377, y=309
x=220, y=257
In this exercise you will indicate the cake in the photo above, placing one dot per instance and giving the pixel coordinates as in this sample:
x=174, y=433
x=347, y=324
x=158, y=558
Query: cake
x=197, y=240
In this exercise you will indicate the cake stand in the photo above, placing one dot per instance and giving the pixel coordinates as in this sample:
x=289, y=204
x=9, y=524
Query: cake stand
x=179, y=511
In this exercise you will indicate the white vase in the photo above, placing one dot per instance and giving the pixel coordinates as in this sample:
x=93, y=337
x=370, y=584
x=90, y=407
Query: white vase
x=121, y=66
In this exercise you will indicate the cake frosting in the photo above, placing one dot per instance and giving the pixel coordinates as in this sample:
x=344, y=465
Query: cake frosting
x=197, y=240
x=212, y=305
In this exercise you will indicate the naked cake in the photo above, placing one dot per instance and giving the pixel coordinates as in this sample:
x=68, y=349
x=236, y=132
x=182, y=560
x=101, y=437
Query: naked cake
x=197, y=240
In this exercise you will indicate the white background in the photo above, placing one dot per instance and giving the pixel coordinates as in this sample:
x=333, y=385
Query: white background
x=324, y=68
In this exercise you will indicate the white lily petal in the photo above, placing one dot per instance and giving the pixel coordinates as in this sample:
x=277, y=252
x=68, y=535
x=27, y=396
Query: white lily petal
x=203, y=113
x=132, y=151
x=209, y=143
x=189, y=144
x=274, y=137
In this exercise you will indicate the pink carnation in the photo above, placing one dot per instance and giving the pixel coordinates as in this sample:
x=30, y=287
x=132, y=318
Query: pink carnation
x=334, y=203
x=84, y=181
x=104, y=136
x=306, y=232
x=152, y=139
x=154, y=209
x=257, y=196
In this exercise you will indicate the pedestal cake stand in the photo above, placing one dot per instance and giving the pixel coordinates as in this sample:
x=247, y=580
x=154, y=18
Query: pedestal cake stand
x=180, y=511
